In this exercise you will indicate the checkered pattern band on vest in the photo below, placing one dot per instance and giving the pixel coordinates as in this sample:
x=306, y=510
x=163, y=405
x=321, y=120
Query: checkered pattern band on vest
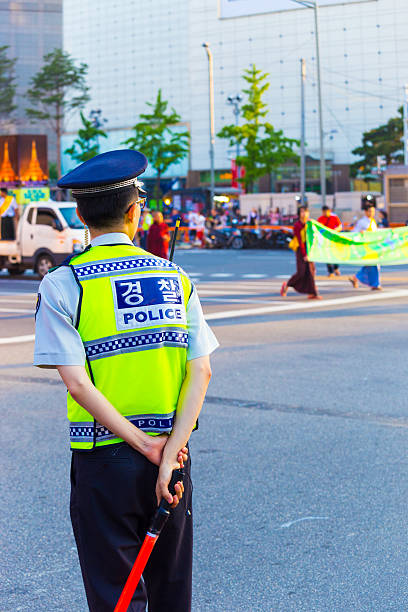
x=138, y=341
x=152, y=423
x=107, y=268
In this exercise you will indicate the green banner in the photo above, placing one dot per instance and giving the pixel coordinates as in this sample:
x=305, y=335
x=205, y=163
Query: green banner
x=385, y=246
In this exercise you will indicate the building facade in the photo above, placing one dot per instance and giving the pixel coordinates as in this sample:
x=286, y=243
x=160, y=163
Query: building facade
x=31, y=29
x=134, y=48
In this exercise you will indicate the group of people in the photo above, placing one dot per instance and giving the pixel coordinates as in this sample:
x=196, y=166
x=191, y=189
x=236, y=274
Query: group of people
x=304, y=279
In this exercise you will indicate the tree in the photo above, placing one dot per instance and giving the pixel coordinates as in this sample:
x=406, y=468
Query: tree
x=7, y=87
x=57, y=90
x=264, y=147
x=87, y=141
x=385, y=141
x=153, y=136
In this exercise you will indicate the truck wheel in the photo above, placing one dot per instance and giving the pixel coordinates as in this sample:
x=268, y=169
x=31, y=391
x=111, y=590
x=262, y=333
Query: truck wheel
x=15, y=270
x=237, y=243
x=43, y=263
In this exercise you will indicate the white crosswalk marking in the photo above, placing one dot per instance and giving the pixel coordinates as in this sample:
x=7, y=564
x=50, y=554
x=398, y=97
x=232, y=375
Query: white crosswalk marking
x=17, y=310
x=254, y=276
x=305, y=305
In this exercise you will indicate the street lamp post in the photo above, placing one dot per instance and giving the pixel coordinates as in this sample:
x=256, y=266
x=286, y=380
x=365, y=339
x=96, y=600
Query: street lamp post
x=314, y=5
x=212, y=129
x=405, y=119
x=235, y=101
x=302, y=132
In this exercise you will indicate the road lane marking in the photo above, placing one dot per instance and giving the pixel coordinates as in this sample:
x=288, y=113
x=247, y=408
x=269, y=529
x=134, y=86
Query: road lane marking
x=17, y=339
x=202, y=291
x=222, y=275
x=310, y=305
x=253, y=276
x=16, y=301
x=18, y=310
x=238, y=300
x=20, y=294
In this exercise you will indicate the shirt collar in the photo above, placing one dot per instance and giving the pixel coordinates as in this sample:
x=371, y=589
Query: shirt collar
x=111, y=238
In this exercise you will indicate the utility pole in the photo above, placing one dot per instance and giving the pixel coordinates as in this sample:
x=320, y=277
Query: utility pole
x=405, y=117
x=212, y=129
x=313, y=4
x=319, y=93
x=302, y=132
x=236, y=101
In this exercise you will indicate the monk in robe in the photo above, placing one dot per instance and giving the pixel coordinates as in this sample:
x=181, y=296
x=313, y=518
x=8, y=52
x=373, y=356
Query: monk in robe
x=158, y=237
x=303, y=281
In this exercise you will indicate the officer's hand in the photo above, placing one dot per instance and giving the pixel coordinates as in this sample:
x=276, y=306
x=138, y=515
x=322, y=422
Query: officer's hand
x=163, y=480
x=154, y=448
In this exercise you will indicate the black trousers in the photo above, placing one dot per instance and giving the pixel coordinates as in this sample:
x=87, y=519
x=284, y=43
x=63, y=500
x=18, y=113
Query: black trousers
x=112, y=502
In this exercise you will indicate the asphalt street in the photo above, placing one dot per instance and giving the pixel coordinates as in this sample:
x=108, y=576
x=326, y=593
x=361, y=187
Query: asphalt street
x=299, y=465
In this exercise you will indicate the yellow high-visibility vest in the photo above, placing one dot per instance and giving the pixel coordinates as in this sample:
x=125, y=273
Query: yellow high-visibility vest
x=133, y=324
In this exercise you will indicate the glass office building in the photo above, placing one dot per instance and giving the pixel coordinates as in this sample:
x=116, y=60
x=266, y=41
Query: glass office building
x=134, y=48
x=31, y=29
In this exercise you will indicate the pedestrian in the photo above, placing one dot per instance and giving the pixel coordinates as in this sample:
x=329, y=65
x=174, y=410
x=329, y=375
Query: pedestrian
x=200, y=229
x=252, y=218
x=9, y=214
x=368, y=275
x=332, y=221
x=158, y=237
x=175, y=215
x=126, y=332
x=192, y=229
x=145, y=223
x=383, y=222
x=275, y=216
x=303, y=281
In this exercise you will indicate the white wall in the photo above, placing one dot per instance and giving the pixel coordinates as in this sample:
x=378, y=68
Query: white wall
x=134, y=48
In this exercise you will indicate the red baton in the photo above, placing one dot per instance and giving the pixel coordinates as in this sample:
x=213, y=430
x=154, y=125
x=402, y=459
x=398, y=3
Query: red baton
x=159, y=520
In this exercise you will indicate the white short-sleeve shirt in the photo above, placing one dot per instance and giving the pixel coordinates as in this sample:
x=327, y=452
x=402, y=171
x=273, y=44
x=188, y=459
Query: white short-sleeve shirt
x=57, y=342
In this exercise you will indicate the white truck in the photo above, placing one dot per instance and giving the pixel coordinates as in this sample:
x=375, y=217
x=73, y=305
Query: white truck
x=47, y=233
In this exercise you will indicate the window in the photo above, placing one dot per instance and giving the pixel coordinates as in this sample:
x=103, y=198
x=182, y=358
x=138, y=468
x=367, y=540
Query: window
x=71, y=218
x=46, y=217
x=30, y=215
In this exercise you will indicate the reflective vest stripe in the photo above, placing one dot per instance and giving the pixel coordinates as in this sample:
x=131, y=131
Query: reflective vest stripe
x=149, y=423
x=97, y=349
x=121, y=265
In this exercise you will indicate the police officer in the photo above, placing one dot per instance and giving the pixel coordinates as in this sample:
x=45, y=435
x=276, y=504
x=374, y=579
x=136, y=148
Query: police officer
x=126, y=332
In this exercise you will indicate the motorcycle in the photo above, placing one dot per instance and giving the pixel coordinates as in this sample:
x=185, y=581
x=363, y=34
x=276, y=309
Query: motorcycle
x=225, y=238
x=276, y=238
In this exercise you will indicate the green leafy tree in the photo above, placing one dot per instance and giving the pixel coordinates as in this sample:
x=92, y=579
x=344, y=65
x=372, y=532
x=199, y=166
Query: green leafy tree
x=385, y=141
x=57, y=90
x=87, y=141
x=264, y=148
x=52, y=171
x=7, y=87
x=154, y=137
